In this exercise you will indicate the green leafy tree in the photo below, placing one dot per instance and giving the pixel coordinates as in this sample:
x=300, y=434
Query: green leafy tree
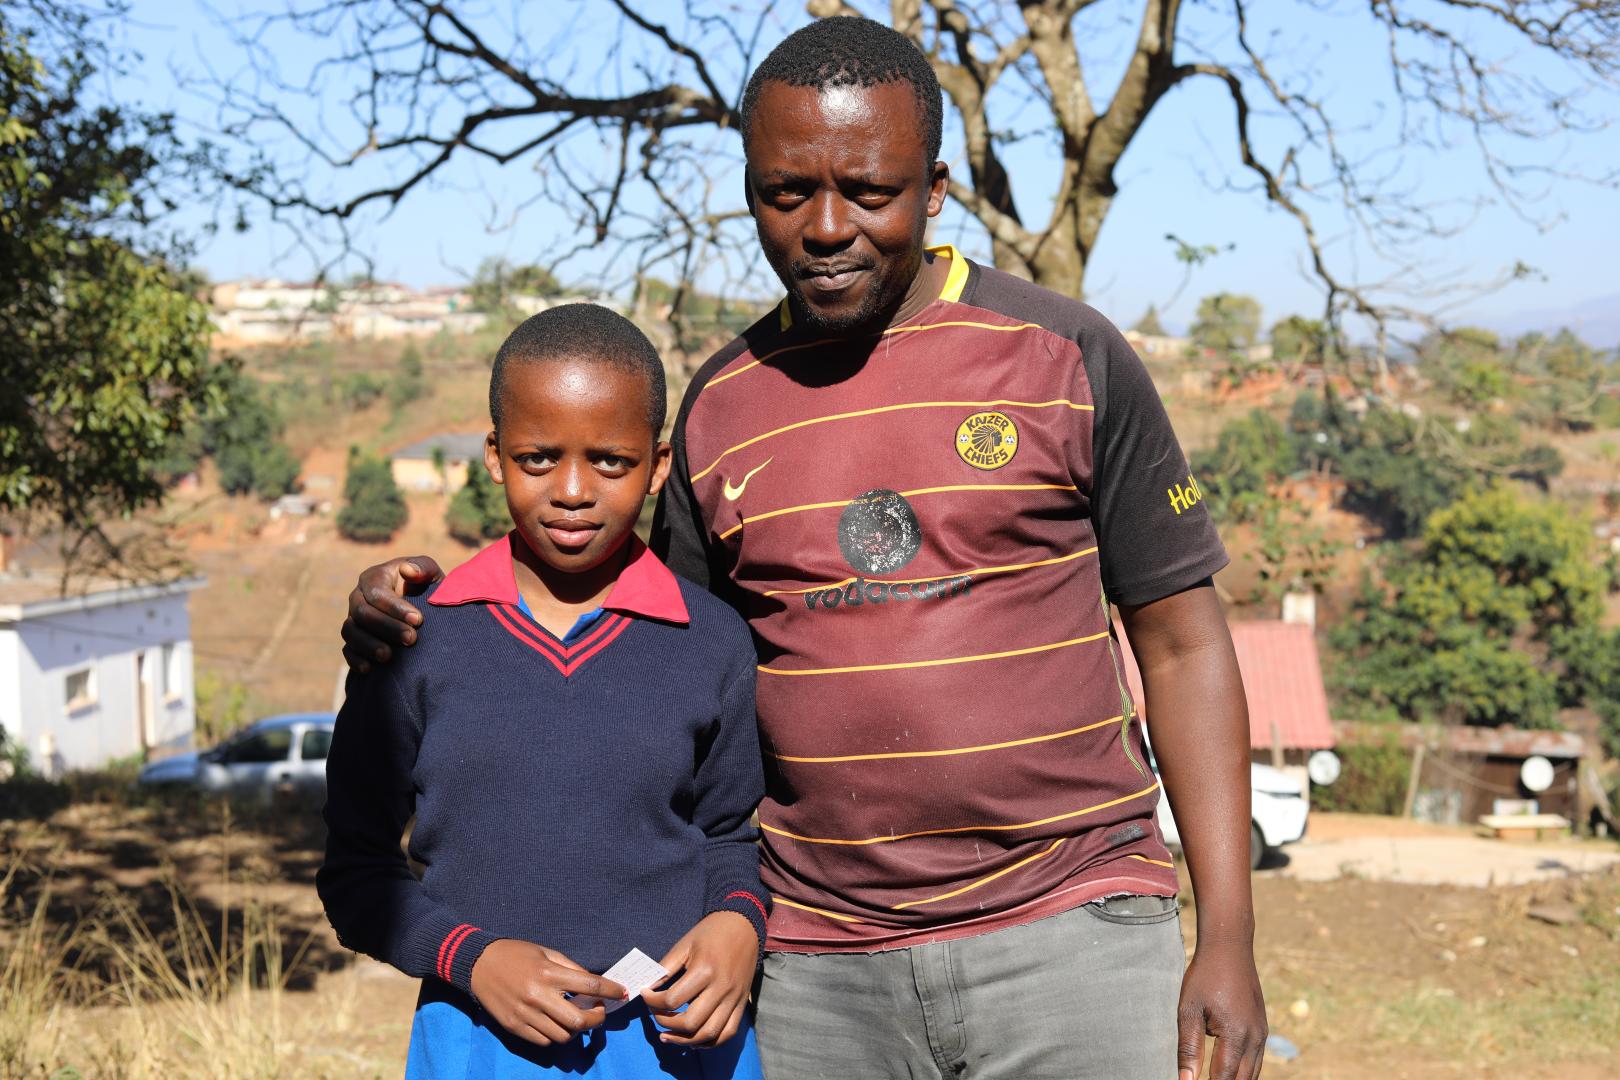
x=1298, y=340
x=1226, y=324
x=359, y=390
x=103, y=347
x=243, y=435
x=1250, y=454
x=478, y=511
x=497, y=281
x=1485, y=619
x=1149, y=323
x=1567, y=378
x=1469, y=363
x=373, y=507
x=408, y=384
x=1291, y=549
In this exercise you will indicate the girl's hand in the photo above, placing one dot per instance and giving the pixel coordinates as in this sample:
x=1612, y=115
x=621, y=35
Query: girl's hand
x=521, y=985
x=714, y=965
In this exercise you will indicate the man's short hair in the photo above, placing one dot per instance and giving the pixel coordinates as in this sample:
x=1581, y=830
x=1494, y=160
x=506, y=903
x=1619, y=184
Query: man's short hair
x=587, y=332
x=849, y=51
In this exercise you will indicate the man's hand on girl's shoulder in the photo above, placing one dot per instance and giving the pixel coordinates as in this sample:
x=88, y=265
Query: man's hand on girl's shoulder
x=379, y=616
x=522, y=986
x=714, y=965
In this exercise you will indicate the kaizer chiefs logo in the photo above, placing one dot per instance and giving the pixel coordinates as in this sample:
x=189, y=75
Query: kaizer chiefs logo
x=878, y=532
x=987, y=440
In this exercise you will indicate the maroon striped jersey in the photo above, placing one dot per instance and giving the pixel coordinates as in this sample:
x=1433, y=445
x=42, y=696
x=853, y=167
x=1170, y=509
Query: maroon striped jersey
x=924, y=529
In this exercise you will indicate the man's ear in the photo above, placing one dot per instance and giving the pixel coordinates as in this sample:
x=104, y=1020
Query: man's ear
x=492, y=458
x=938, y=186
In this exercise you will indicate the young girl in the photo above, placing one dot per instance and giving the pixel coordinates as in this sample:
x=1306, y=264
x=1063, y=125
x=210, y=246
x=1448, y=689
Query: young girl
x=577, y=741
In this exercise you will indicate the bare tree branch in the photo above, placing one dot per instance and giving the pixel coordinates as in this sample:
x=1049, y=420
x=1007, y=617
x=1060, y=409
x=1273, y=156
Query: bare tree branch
x=627, y=119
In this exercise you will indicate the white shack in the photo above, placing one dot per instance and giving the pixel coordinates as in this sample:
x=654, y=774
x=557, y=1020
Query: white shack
x=103, y=672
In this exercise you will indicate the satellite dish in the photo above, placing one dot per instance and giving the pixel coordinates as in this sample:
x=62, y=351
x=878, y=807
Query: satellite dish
x=1536, y=774
x=1323, y=767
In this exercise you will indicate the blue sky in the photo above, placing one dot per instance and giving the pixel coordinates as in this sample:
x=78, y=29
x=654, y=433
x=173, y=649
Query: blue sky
x=1171, y=180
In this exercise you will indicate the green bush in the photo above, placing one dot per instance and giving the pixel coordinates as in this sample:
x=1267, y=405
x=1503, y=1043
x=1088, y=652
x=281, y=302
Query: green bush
x=1373, y=779
x=1495, y=619
x=374, y=509
x=408, y=384
x=478, y=511
x=244, y=437
x=359, y=390
x=1250, y=454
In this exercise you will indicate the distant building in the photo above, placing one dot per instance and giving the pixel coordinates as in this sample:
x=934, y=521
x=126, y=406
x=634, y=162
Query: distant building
x=1282, y=679
x=104, y=672
x=415, y=469
x=255, y=311
x=1466, y=772
x=1158, y=346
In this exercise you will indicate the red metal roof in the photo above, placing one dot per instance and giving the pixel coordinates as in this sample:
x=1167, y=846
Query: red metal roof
x=1282, y=677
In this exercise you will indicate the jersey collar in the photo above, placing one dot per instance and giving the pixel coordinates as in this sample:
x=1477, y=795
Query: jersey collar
x=646, y=587
x=955, y=282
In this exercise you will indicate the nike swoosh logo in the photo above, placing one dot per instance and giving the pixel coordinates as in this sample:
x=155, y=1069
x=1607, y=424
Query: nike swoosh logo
x=733, y=493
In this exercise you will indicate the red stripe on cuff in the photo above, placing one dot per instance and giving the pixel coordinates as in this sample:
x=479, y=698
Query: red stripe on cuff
x=447, y=948
x=752, y=899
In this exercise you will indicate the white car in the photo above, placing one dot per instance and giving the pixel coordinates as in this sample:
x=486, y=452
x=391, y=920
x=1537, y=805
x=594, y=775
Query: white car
x=278, y=759
x=1278, y=811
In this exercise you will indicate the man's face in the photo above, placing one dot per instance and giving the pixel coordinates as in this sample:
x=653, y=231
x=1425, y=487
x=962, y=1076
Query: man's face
x=841, y=194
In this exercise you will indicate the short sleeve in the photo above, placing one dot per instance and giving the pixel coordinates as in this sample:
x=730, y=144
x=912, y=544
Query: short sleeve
x=1154, y=533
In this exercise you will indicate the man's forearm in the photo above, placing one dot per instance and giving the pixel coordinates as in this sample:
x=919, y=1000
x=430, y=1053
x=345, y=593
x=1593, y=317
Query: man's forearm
x=1200, y=731
x=1199, y=726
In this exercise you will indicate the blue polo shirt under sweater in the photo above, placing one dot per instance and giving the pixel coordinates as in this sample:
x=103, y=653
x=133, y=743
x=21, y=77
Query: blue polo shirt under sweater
x=591, y=794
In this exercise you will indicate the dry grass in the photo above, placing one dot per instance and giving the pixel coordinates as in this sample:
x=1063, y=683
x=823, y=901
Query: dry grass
x=120, y=994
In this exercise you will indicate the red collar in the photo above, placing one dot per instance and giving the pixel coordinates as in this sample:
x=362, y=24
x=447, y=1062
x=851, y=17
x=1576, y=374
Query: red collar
x=646, y=587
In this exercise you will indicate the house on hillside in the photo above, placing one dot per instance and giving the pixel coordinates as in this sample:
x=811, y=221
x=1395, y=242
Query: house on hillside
x=438, y=462
x=1282, y=676
x=1466, y=772
x=103, y=672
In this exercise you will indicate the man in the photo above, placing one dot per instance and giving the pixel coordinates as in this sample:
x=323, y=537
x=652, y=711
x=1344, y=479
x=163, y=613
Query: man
x=923, y=483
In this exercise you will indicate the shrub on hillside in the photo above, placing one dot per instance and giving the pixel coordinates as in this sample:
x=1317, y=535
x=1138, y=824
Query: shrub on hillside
x=1496, y=618
x=408, y=384
x=373, y=507
x=478, y=511
x=1373, y=779
x=359, y=390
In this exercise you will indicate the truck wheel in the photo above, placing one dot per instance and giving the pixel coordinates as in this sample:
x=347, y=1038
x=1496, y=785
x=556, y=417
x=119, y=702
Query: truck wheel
x=1257, y=847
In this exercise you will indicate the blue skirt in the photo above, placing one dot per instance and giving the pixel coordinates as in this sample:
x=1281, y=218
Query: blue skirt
x=453, y=1039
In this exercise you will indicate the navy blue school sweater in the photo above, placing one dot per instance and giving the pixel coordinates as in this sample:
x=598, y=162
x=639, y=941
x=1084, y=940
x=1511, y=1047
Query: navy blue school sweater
x=591, y=797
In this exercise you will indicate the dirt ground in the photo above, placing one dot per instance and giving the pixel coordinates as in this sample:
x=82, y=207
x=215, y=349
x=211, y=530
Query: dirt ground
x=1414, y=852
x=1371, y=980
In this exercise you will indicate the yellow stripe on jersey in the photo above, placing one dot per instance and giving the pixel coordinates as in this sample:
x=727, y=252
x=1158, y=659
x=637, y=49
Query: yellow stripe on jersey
x=1155, y=862
x=972, y=405
x=933, y=663
x=984, y=880
x=908, y=494
x=948, y=753
x=956, y=280
x=816, y=910
x=941, y=577
x=963, y=828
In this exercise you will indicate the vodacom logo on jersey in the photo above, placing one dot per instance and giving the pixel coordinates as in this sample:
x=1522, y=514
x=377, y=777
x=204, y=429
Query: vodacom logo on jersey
x=733, y=492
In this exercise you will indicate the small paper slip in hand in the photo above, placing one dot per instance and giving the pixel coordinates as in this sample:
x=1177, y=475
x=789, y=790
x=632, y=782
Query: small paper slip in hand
x=635, y=971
